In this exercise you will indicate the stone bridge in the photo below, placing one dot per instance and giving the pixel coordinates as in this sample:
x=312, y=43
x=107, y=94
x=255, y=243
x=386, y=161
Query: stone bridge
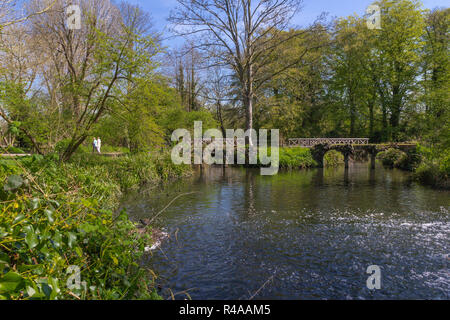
x=348, y=147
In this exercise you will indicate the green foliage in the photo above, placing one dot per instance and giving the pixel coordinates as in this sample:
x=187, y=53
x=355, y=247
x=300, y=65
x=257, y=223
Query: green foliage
x=432, y=174
x=435, y=168
x=333, y=158
x=445, y=163
x=41, y=239
x=392, y=157
x=54, y=216
x=292, y=158
x=12, y=150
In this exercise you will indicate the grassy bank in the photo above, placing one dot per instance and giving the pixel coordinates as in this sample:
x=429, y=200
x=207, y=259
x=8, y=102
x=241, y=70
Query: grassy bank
x=301, y=158
x=430, y=167
x=296, y=158
x=434, y=169
x=57, y=219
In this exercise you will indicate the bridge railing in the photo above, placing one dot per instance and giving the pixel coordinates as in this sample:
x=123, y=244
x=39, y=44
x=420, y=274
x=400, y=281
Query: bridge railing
x=311, y=142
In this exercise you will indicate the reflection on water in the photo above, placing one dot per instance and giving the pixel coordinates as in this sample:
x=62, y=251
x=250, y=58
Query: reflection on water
x=313, y=232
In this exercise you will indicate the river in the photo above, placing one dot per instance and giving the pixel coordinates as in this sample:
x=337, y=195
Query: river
x=307, y=234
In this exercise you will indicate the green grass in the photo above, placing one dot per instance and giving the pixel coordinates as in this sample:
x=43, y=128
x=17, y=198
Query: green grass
x=333, y=158
x=55, y=215
x=434, y=170
x=296, y=158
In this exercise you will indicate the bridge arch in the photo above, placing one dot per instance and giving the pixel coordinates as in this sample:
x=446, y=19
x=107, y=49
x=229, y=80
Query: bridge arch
x=319, y=150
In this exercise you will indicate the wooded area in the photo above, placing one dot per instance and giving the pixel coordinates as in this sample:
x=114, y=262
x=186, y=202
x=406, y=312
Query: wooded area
x=243, y=65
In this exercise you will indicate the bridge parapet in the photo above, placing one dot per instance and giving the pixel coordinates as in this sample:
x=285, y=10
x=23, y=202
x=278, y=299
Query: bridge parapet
x=319, y=150
x=312, y=142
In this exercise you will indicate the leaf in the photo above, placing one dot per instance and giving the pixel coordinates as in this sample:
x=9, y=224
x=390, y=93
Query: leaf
x=56, y=240
x=49, y=215
x=31, y=238
x=79, y=252
x=46, y=289
x=30, y=291
x=54, y=203
x=14, y=182
x=19, y=218
x=34, y=203
x=88, y=228
x=55, y=289
x=10, y=282
x=4, y=260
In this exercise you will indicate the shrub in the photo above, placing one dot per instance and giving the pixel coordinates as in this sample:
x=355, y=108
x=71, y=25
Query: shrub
x=12, y=150
x=56, y=215
x=291, y=158
x=435, y=169
x=410, y=161
x=445, y=163
x=431, y=174
x=333, y=158
x=392, y=157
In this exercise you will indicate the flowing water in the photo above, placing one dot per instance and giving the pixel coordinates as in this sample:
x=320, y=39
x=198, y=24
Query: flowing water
x=307, y=234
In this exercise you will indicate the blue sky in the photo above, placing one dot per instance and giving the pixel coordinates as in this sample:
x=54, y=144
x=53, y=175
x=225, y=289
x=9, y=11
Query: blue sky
x=160, y=9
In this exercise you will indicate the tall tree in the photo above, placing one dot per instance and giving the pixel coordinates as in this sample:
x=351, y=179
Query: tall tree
x=187, y=63
x=90, y=68
x=399, y=43
x=239, y=34
x=349, y=79
x=436, y=77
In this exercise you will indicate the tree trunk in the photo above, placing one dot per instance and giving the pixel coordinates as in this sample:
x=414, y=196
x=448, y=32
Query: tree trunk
x=71, y=148
x=371, y=116
x=395, y=111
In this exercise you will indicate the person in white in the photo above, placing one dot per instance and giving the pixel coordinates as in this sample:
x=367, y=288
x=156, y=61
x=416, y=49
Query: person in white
x=95, y=145
x=99, y=145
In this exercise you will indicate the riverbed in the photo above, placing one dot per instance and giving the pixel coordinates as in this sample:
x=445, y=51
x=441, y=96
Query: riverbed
x=306, y=234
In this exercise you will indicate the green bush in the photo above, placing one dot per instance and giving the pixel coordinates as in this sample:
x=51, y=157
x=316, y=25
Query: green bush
x=410, y=162
x=445, y=163
x=333, y=158
x=12, y=150
x=431, y=174
x=291, y=158
x=392, y=157
x=112, y=149
x=57, y=215
x=435, y=168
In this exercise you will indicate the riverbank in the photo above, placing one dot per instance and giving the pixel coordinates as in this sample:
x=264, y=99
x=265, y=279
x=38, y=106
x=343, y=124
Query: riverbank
x=59, y=218
x=430, y=167
x=301, y=158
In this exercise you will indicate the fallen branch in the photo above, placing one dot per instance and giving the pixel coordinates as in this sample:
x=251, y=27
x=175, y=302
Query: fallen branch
x=257, y=292
x=168, y=205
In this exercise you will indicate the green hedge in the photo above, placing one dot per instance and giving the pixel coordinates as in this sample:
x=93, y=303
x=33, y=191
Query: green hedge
x=435, y=169
x=57, y=215
x=333, y=158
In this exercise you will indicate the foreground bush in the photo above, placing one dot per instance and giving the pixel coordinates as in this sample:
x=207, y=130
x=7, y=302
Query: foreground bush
x=292, y=158
x=435, y=169
x=59, y=218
